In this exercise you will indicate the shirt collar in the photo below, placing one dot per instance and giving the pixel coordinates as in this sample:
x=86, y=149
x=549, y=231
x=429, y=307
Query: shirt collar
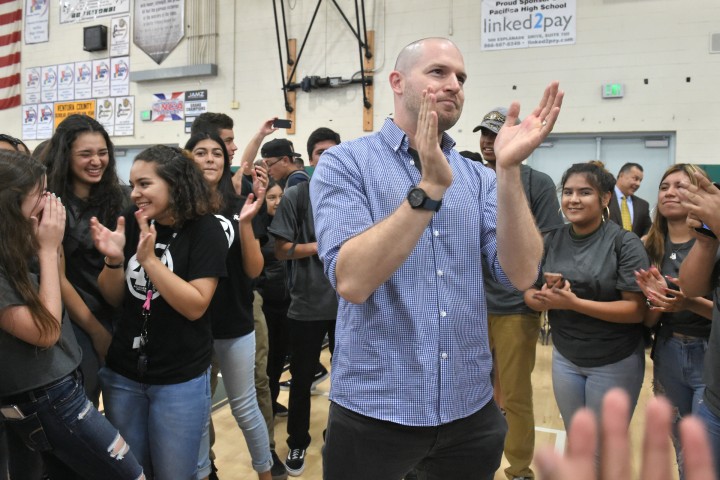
x=397, y=139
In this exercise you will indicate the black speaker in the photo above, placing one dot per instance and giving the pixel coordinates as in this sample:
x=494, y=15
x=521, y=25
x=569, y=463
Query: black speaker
x=95, y=38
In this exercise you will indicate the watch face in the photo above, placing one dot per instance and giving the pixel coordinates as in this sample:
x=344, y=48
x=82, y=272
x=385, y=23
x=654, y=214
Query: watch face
x=416, y=197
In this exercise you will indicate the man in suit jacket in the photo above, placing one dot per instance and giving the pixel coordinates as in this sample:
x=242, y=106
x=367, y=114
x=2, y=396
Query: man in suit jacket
x=628, y=181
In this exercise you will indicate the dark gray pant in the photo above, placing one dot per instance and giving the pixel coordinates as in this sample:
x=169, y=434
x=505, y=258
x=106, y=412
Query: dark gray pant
x=359, y=447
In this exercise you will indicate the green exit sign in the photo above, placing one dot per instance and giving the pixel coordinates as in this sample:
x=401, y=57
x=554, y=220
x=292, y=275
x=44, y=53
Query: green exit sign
x=613, y=90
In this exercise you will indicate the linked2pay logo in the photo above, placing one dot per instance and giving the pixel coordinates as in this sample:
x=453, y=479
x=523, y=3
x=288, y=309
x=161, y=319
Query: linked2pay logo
x=527, y=23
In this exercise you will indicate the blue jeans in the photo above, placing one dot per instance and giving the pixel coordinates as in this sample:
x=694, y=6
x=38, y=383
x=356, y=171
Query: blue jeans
x=678, y=370
x=61, y=422
x=237, y=364
x=163, y=423
x=712, y=424
x=576, y=387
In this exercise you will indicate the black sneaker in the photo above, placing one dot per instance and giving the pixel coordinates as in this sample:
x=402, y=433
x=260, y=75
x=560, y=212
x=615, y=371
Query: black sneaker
x=320, y=375
x=295, y=461
x=280, y=410
x=278, y=470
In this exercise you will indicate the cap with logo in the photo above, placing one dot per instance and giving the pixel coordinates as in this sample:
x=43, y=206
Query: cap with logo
x=494, y=120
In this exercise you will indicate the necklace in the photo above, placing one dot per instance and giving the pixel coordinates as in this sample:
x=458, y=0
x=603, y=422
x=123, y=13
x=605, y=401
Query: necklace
x=676, y=247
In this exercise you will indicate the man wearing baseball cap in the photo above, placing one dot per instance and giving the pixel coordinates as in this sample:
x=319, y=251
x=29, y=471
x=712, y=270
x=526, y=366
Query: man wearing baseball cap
x=280, y=160
x=513, y=327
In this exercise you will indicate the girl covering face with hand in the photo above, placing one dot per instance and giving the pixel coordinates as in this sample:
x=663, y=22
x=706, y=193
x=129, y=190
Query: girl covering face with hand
x=43, y=405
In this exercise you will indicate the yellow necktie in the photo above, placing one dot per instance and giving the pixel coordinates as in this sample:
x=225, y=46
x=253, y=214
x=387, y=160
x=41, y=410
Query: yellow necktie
x=625, y=214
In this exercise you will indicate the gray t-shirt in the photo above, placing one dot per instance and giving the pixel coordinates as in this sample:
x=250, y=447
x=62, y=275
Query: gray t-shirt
x=542, y=197
x=598, y=268
x=24, y=366
x=685, y=321
x=311, y=294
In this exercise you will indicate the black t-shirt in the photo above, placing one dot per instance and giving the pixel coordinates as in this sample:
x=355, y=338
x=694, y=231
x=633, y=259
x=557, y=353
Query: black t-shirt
x=178, y=349
x=231, y=309
x=684, y=322
x=272, y=283
x=83, y=263
x=596, y=272
x=24, y=366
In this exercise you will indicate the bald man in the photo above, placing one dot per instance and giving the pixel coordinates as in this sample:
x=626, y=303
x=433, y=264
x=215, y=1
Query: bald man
x=405, y=228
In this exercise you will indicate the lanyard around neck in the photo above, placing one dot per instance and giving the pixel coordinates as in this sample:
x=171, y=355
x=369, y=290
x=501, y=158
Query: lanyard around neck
x=149, y=285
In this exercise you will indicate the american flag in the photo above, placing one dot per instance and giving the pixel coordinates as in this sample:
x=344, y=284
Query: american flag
x=10, y=45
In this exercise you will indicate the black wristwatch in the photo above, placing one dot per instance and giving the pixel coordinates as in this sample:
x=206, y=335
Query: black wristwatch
x=419, y=199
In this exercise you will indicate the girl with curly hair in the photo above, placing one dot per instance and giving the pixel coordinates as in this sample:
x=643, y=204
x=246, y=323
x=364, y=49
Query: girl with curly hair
x=162, y=265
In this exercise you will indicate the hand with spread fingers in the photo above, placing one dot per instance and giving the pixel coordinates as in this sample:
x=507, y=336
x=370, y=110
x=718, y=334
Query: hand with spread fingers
x=108, y=242
x=578, y=462
x=515, y=142
x=252, y=205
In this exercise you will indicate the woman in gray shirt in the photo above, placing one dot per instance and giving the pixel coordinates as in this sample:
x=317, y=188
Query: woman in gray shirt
x=42, y=401
x=596, y=310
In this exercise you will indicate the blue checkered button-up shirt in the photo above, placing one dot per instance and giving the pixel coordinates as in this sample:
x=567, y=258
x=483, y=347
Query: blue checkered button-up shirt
x=416, y=352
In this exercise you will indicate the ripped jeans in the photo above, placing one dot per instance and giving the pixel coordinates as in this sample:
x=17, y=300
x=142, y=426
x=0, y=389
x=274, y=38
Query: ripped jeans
x=62, y=424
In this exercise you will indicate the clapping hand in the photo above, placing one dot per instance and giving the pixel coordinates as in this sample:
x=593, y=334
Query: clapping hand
x=516, y=142
x=108, y=242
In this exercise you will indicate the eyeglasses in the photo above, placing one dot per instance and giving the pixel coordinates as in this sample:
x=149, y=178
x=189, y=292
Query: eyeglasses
x=273, y=163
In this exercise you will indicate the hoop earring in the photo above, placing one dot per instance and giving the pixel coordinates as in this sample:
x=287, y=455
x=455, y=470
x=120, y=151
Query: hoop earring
x=560, y=212
x=606, y=213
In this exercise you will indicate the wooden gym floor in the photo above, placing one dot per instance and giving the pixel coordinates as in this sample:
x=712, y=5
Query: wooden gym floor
x=233, y=459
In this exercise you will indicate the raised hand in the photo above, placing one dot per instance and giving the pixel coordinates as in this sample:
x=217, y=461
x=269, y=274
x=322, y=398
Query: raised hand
x=260, y=178
x=50, y=228
x=266, y=128
x=436, y=170
x=515, y=143
x=703, y=203
x=578, y=462
x=252, y=206
x=109, y=243
x=146, y=242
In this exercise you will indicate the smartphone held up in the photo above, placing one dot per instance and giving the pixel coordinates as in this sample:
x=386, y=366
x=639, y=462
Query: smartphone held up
x=282, y=123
